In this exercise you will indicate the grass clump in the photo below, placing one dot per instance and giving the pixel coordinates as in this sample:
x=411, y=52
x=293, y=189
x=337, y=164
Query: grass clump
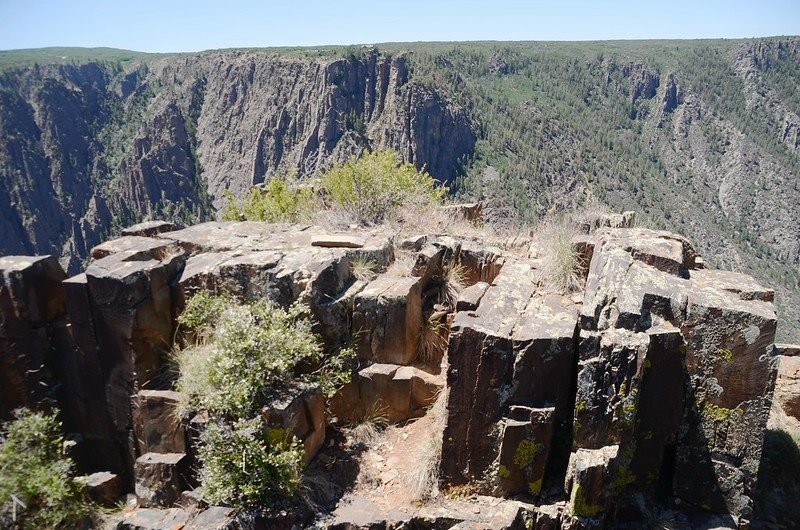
x=238, y=360
x=372, y=187
x=33, y=468
x=560, y=263
x=424, y=477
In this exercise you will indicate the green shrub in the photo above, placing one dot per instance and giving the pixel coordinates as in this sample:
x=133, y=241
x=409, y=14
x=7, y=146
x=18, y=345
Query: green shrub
x=33, y=468
x=245, y=465
x=240, y=358
x=254, y=350
x=371, y=187
x=281, y=200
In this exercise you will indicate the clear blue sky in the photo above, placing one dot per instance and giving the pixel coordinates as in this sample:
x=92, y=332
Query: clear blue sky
x=164, y=25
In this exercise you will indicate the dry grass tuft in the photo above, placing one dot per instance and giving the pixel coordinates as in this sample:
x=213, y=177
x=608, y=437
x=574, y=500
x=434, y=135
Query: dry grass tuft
x=433, y=338
x=363, y=269
x=423, y=478
x=560, y=265
x=402, y=266
x=454, y=279
x=369, y=429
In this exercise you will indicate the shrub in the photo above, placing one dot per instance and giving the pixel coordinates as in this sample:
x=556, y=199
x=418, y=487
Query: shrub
x=239, y=359
x=244, y=464
x=33, y=468
x=371, y=187
x=280, y=200
x=254, y=350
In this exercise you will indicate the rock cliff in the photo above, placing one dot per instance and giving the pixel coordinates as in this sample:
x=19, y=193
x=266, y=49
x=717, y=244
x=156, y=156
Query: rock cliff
x=642, y=397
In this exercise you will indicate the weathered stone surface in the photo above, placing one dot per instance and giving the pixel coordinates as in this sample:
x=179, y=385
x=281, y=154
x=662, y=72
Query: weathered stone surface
x=122, y=325
x=480, y=356
x=785, y=412
x=392, y=391
x=338, y=241
x=589, y=479
x=480, y=262
x=136, y=248
x=470, y=298
x=103, y=487
x=387, y=319
x=731, y=364
x=524, y=449
x=152, y=519
x=214, y=518
x=149, y=228
x=300, y=411
x=469, y=211
x=160, y=478
x=645, y=304
x=157, y=427
x=31, y=300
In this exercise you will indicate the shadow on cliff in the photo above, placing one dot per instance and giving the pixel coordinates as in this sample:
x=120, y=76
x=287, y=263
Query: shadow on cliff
x=777, y=494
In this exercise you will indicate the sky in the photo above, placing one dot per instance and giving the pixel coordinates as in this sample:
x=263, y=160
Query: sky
x=182, y=26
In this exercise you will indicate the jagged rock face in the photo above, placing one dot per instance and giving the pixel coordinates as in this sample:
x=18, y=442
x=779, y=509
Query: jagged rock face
x=87, y=148
x=654, y=383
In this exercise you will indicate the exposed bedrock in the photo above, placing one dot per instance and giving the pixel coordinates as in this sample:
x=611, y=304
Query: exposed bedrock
x=653, y=383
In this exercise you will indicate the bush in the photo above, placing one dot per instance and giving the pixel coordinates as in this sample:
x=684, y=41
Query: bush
x=373, y=186
x=33, y=468
x=239, y=359
x=281, y=200
x=245, y=465
x=253, y=351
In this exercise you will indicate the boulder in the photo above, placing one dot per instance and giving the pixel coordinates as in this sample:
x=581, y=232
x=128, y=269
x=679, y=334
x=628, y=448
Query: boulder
x=149, y=228
x=785, y=412
x=300, y=412
x=153, y=519
x=391, y=391
x=588, y=481
x=470, y=298
x=157, y=427
x=524, y=448
x=160, y=478
x=214, y=518
x=480, y=357
x=103, y=487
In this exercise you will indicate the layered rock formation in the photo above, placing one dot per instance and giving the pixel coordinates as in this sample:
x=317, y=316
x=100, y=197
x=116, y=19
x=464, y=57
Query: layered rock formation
x=652, y=384
x=85, y=150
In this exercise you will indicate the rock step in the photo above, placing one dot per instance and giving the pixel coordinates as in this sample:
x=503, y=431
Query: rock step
x=213, y=518
x=160, y=478
x=393, y=391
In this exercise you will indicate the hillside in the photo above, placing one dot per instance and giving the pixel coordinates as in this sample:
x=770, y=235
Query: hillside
x=700, y=137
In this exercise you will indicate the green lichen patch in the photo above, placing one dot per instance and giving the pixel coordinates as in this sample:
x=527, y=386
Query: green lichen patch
x=503, y=471
x=580, y=506
x=535, y=487
x=526, y=453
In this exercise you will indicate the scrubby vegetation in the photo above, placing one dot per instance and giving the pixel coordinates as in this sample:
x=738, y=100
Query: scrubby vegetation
x=238, y=359
x=34, y=469
x=372, y=187
x=282, y=199
x=365, y=190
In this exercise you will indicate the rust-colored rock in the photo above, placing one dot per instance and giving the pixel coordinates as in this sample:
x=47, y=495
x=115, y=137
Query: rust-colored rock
x=387, y=320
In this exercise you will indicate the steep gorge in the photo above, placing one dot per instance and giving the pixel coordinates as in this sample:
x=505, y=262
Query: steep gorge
x=699, y=137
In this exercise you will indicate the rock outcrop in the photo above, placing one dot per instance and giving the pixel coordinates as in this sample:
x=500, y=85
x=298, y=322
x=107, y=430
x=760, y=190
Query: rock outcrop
x=652, y=384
